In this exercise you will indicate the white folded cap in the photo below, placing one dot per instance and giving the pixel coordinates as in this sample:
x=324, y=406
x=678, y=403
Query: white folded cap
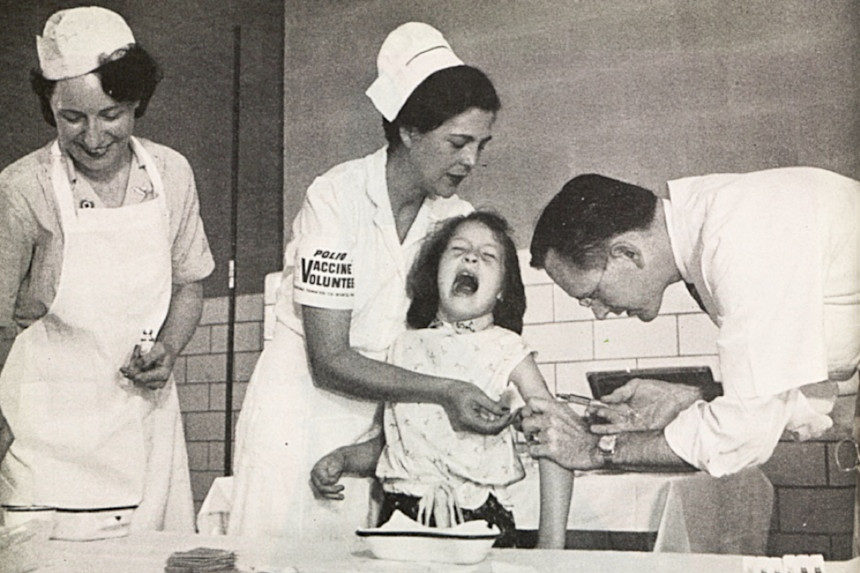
x=407, y=57
x=78, y=40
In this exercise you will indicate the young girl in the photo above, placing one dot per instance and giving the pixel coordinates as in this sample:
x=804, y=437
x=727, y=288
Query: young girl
x=466, y=314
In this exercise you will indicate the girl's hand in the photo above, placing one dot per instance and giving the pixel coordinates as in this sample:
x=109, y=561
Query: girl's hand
x=470, y=409
x=325, y=475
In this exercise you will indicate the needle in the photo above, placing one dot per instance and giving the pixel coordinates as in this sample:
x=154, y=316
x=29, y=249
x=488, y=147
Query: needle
x=579, y=399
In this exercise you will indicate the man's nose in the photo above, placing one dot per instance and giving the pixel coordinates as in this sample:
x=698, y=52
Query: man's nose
x=599, y=309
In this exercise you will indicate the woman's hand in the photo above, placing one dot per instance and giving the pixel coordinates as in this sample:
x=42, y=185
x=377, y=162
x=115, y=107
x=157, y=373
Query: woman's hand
x=151, y=370
x=642, y=404
x=554, y=431
x=470, y=409
x=326, y=474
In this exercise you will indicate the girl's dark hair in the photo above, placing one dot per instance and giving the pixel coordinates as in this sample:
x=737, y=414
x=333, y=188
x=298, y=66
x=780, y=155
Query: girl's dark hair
x=129, y=78
x=443, y=95
x=422, y=285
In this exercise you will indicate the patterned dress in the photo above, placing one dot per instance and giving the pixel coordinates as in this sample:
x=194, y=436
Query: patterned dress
x=424, y=456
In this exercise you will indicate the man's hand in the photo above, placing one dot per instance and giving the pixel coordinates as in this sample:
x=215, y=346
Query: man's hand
x=151, y=370
x=469, y=409
x=326, y=474
x=6, y=436
x=642, y=404
x=556, y=432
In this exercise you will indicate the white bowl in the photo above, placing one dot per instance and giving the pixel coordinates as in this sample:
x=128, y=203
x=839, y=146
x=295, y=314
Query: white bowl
x=462, y=544
x=22, y=546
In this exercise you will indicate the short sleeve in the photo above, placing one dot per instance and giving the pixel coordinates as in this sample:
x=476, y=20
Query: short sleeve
x=17, y=240
x=763, y=267
x=510, y=350
x=322, y=250
x=191, y=258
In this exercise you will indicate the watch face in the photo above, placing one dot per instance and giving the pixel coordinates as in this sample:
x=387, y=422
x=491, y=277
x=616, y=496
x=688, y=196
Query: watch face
x=606, y=446
x=607, y=443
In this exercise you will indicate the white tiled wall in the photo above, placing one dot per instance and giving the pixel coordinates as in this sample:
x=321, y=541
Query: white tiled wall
x=273, y=280
x=570, y=342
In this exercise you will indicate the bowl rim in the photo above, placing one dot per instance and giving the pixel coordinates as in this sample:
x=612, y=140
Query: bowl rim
x=432, y=534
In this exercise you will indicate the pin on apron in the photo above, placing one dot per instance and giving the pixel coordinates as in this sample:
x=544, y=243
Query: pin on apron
x=108, y=456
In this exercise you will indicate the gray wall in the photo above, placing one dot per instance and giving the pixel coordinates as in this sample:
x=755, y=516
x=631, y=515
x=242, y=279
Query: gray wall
x=644, y=91
x=191, y=110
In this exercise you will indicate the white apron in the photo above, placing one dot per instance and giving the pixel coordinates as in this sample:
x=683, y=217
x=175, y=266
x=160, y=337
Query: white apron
x=85, y=437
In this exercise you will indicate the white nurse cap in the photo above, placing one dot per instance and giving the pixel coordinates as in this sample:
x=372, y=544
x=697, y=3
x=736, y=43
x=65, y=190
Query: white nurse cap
x=78, y=40
x=407, y=57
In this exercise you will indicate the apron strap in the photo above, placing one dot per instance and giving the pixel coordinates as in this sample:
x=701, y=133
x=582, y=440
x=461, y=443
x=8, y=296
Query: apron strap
x=62, y=189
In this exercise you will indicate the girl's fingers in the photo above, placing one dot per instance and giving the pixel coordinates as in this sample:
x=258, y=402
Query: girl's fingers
x=491, y=406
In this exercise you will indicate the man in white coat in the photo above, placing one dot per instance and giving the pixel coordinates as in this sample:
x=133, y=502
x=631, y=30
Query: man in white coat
x=771, y=256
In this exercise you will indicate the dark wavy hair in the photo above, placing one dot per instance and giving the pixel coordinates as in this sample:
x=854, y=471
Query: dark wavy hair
x=130, y=78
x=444, y=94
x=588, y=211
x=422, y=286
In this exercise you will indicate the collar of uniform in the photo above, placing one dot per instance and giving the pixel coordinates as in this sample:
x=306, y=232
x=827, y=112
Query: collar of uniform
x=674, y=240
x=377, y=184
x=464, y=326
x=138, y=169
x=138, y=179
x=377, y=189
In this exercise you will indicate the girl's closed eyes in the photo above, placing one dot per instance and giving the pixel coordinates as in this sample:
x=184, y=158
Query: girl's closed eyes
x=471, y=274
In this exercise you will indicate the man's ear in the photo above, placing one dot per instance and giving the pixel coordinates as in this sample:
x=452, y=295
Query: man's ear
x=627, y=250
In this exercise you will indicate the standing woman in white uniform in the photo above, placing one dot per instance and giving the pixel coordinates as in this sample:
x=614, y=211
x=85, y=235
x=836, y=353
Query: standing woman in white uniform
x=101, y=250
x=343, y=299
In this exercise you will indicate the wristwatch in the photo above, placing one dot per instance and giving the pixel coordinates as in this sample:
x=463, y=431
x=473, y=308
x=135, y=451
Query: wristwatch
x=606, y=447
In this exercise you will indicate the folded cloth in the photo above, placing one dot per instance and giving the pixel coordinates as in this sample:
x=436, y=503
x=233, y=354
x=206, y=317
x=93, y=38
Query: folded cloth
x=201, y=560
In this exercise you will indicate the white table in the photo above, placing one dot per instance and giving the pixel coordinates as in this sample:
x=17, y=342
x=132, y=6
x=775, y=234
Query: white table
x=147, y=553
x=690, y=512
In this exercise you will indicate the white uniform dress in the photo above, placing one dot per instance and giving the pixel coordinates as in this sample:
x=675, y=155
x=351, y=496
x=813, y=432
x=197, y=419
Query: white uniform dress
x=344, y=254
x=774, y=257
x=110, y=456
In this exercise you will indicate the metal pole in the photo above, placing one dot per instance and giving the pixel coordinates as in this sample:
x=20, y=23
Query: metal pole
x=231, y=280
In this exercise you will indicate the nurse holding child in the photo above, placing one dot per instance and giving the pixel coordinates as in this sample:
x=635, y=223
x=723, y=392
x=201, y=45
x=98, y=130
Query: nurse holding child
x=342, y=301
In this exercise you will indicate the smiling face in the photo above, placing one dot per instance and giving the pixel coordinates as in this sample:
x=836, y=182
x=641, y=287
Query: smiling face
x=92, y=128
x=471, y=273
x=622, y=286
x=444, y=157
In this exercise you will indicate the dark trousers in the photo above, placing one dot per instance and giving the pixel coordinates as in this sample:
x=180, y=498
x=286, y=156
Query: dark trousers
x=491, y=511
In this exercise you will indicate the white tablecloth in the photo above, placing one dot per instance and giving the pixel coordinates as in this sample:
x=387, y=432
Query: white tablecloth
x=690, y=512
x=148, y=553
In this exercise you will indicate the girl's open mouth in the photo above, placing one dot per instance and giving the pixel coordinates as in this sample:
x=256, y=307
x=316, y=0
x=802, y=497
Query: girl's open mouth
x=465, y=284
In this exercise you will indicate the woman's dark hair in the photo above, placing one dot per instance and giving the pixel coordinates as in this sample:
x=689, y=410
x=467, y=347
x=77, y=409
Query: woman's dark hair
x=588, y=211
x=443, y=95
x=130, y=78
x=422, y=285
